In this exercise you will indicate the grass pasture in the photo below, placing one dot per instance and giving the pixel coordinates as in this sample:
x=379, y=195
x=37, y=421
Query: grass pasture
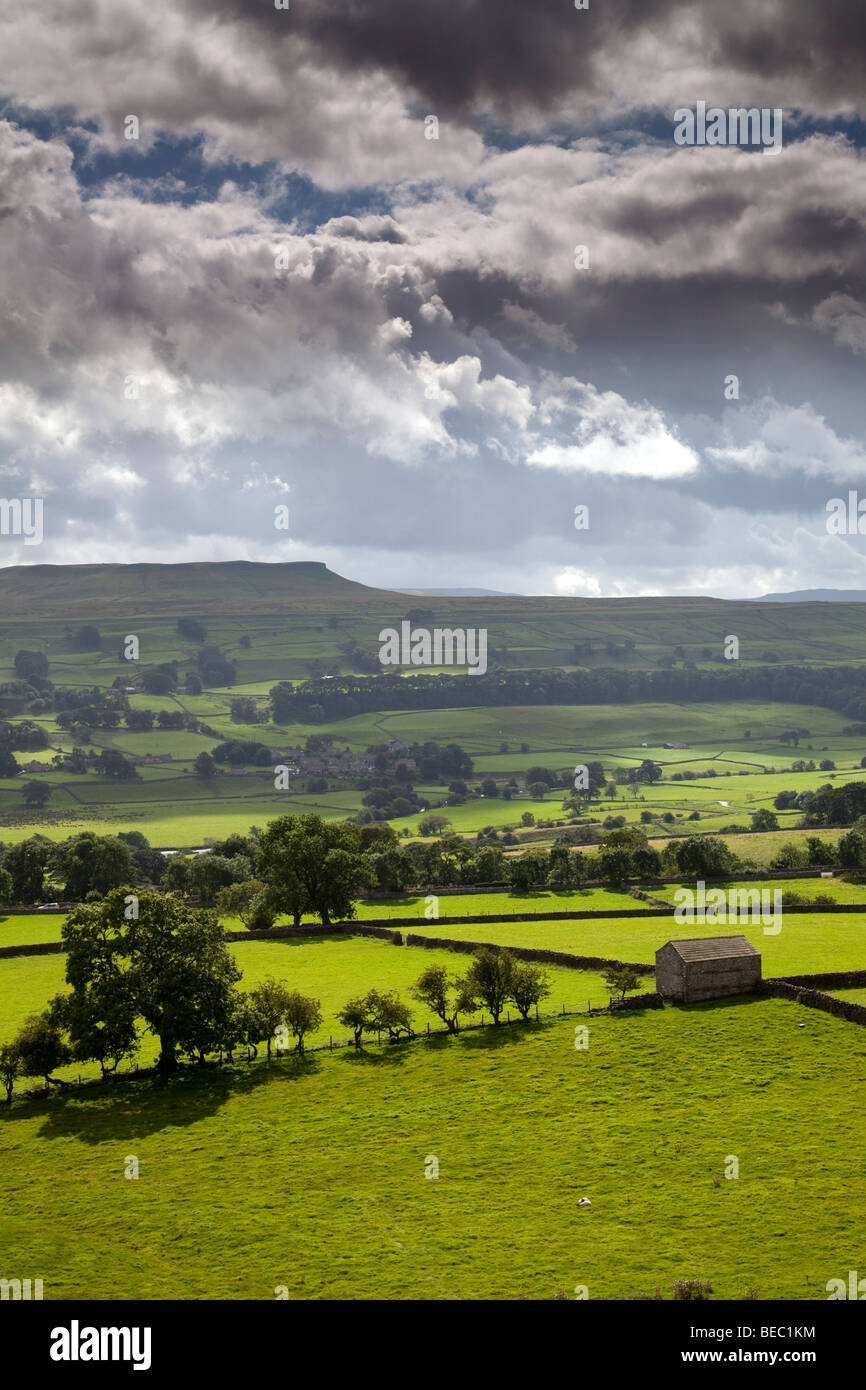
x=311, y=1174
x=808, y=942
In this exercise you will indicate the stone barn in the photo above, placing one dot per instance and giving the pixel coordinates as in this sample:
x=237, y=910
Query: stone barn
x=707, y=967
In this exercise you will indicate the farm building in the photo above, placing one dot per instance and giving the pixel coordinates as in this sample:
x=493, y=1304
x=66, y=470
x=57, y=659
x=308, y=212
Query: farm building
x=707, y=967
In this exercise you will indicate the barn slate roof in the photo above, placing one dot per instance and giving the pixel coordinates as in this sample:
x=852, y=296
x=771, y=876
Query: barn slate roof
x=713, y=947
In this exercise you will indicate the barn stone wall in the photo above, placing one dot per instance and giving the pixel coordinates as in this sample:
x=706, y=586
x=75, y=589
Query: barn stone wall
x=669, y=973
x=713, y=979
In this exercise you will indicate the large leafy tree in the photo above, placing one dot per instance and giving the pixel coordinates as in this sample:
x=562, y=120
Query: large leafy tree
x=304, y=1016
x=615, y=862
x=175, y=963
x=248, y=902
x=312, y=865
x=92, y=863
x=28, y=664
x=25, y=863
x=208, y=873
x=184, y=976
x=703, y=856
x=377, y=1011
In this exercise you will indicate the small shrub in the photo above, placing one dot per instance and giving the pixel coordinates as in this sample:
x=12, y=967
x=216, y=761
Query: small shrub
x=692, y=1290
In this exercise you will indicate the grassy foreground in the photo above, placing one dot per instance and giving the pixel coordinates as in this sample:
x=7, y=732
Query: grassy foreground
x=312, y=1175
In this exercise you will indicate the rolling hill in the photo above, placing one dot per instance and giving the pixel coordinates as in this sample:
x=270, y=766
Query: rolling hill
x=35, y=600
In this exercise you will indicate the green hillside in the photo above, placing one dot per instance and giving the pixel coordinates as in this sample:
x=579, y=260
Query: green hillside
x=538, y=631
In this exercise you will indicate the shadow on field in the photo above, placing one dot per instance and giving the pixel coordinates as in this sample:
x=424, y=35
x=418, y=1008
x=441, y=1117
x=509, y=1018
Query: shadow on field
x=134, y=1107
x=490, y=1037
x=390, y=1055
x=292, y=941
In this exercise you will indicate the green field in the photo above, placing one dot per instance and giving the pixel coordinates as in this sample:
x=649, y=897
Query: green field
x=311, y=1175
x=853, y=996
x=808, y=941
x=176, y=809
x=809, y=888
x=599, y=730
x=30, y=929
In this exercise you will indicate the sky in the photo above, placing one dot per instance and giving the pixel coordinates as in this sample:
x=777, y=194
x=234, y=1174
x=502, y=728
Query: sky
x=398, y=287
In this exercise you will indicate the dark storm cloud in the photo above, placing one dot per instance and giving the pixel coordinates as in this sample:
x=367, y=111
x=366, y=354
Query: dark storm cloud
x=433, y=390
x=511, y=55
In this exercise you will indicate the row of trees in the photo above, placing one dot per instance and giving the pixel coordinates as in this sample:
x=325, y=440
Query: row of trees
x=85, y=865
x=839, y=687
x=493, y=980
x=303, y=866
x=150, y=960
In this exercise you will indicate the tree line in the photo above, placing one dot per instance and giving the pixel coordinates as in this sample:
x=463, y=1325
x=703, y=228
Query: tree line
x=150, y=960
x=841, y=688
x=304, y=866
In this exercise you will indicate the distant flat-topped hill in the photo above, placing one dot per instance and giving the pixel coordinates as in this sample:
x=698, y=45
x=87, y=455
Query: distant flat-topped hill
x=223, y=587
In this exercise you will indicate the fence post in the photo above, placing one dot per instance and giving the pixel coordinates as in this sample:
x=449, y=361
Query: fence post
x=536, y=1013
x=330, y=1044
x=563, y=1011
x=428, y=1028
